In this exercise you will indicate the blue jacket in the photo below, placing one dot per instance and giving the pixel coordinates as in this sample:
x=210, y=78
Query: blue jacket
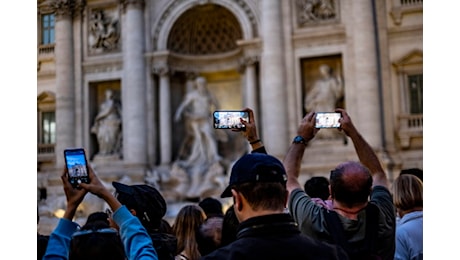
x=136, y=241
x=409, y=236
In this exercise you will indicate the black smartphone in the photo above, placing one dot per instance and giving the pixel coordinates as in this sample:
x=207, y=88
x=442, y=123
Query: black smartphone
x=77, y=166
x=229, y=119
x=327, y=120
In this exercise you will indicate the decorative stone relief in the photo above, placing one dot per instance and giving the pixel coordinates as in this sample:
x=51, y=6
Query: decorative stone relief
x=314, y=11
x=104, y=30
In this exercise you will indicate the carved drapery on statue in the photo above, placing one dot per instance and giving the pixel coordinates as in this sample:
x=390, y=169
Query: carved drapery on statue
x=198, y=163
x=107, y=126
x=324, y=95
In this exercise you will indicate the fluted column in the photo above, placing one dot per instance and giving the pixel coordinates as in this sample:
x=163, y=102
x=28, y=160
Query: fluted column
x=363, y=50
x=134, y=85
x=165, y=115
x=65, y=89
x=250, y=83
x=273, y=87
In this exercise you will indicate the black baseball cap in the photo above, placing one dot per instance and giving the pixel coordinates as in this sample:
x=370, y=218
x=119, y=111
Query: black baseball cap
x=255, y=167
x=148, y=202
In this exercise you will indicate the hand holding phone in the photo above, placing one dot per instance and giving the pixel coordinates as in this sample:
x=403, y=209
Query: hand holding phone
x=77, y=166
x=327, y=120
x=230, y=119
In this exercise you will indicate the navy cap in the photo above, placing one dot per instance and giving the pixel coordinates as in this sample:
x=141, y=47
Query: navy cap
x=145, y=199
x=255, y=167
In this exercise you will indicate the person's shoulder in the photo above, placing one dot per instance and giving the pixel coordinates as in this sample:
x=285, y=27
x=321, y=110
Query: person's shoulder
x=381, y=195
x=320, y=248
x=225, y=252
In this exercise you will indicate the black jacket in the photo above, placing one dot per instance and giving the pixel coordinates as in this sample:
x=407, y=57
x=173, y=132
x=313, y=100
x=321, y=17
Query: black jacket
x=274, y=236
x=165, y=245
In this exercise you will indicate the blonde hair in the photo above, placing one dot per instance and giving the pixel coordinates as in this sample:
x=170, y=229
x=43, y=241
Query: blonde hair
x=407, y=192
x=185, y=227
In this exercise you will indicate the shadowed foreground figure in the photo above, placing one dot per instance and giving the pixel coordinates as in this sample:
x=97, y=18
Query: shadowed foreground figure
x=364, y=227
x=266, y=231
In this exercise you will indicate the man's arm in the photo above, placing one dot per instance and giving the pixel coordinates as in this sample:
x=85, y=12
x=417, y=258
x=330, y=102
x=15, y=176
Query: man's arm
x=250, y=132
x=294, y=155
x=364, y=151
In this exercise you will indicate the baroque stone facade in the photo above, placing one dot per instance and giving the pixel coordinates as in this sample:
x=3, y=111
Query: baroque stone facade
x=259, y=54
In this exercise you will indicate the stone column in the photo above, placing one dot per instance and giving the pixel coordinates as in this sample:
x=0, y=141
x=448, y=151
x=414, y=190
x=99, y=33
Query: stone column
x=365, y=70
x=134, y=85
x=165, y=115
x=249, y=87
x=250, y=83
x=273, y=87
x=65, y=86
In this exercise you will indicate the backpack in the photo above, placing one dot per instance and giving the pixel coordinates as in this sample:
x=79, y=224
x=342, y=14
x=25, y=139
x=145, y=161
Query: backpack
x=362, y=250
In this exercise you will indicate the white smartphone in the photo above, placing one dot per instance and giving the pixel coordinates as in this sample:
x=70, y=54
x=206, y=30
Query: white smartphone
x=327, y=120
x=229, y=119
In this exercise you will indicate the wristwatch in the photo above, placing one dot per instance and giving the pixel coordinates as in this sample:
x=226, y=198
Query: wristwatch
x=299, y=140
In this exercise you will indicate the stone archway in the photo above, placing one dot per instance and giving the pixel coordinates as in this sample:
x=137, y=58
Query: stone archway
x=205, y=30
x=203, y=40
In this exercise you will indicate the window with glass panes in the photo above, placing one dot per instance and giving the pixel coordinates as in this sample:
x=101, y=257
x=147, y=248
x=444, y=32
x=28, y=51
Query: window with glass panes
x=416, y=93
x=47, y=28
x=48, y=128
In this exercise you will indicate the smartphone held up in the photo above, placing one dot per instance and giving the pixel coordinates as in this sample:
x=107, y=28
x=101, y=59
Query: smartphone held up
x=230, y=119
x=77, y=166
x=327, y=120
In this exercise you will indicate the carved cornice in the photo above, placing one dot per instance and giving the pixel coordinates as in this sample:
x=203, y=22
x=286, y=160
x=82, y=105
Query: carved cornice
x=397, y=12
x=79, y=7
x=161, y=70
x=411, y=61
x=65, y=8
x=92, y=67
x=319, y=36
x=132, y=3
x=210, y=63
x=247, y=61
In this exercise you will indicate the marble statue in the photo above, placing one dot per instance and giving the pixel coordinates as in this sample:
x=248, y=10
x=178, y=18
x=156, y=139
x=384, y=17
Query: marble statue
x=323, y=96
x=199, y=155
x=197, y=107
x=107, y=126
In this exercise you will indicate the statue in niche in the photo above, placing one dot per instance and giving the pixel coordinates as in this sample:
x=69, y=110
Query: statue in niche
x=107, y=126
x=199, y=156
x=197, y=107
x=104, y=31
x=315, y=10
x=324, y=95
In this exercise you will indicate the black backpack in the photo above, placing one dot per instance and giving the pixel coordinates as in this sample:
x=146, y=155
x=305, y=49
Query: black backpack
x=362, y=250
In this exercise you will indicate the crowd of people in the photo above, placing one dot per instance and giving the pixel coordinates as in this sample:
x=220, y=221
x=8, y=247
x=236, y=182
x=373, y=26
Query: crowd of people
x=355, y=214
